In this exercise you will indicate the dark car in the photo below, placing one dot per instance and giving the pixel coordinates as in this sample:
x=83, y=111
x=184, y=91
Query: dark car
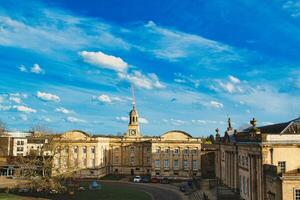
x=146, y=179
x=165, y=181
x=154, y=180
x=182, y=188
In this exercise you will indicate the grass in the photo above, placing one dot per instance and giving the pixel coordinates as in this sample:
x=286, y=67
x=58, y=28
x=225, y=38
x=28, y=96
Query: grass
x=106, y=193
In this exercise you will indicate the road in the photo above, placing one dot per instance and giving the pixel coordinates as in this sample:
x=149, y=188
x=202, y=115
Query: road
x=158, y=191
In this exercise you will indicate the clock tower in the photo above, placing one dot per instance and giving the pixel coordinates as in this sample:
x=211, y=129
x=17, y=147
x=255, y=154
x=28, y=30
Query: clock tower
x=133, y=126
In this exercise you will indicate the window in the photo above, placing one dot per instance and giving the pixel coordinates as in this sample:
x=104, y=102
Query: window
x=186, y=151
x=176, y=164
x=297, y=194
x=194, y=152
x=148, y=160
x=132, y=160
x=84, y=149
x=93, y=149
x=194, y=164
x=158, y=150
x=132, y=149
x=157, y=163
x=176, y=151
x=93, y=163
x=166, y=163
x=19, y=142
x=148, y=149
x=248, y=187
x=20, y=148
x=167, y=151
x=282, y=166
x=67, y=150
x=244, y=184
x=75, y=149
x=239, y=160
x=243, y=160
x=247, y=161
x=185, y=164
x=116, y=159
x=241, y=183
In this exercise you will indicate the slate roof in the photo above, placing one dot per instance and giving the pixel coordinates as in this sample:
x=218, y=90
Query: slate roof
x=273, y=128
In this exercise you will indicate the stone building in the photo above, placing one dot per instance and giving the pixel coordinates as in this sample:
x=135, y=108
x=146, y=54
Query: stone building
x=173, y=154
x=261, y=162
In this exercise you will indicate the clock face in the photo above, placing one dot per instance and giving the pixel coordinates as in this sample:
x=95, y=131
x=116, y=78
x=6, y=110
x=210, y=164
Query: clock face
x=132, y=132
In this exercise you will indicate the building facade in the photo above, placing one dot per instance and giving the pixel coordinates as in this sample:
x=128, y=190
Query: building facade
x=260, y=162
x=173, y=154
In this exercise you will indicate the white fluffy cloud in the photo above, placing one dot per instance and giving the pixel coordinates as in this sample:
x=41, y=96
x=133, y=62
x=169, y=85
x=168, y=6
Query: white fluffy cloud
x=216, y=104
x=234, y=79
x=24, y=109
x=103, y=60
x=15, y=99
x=106, y=99
x=143, y=120
x=123, y=119
x=140, y=80
x=63, y=110
x=75, y=120
x=47, y=96
x=36, y=69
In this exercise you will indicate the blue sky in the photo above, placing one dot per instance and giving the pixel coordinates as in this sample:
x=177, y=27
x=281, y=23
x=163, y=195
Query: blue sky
x=68, y=65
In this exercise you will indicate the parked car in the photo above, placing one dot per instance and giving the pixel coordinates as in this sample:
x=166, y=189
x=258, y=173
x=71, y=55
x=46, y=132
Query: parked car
x=146, y=179
x=154, y=180
x=23, y=190
x=137, y=179
x=182, y=188
x=165, y=181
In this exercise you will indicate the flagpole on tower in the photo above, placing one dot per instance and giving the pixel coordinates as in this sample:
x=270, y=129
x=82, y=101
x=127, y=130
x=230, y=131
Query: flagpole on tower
x=133, y=97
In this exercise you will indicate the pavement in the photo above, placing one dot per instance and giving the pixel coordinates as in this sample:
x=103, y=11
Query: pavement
x=157, y=191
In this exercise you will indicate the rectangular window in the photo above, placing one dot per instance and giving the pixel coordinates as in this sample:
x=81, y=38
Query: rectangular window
x=132, y=149
x=157, y=163
x=22, y=142
x=282, y=166
x=185, y=164
x=20, y=148
x=148, y=160
x=84, y=149
x=93, y=163
x=18, y=142
x=93, y=149
x=244, y=185
x=158, y=150
x=176, y=164
x=194, y=152
x=176, y=151
x=186, y=151
x=166, y=164
x=297, y=194
x=75, y=149
x=243, y=160
x=194, y=164
x=167, y=151
x=246, y=161
x=148, y=149
x=131, y=160
x=116, y=159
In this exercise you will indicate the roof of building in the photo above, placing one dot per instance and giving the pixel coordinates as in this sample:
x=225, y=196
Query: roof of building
x=273, y=128
x=178, y=131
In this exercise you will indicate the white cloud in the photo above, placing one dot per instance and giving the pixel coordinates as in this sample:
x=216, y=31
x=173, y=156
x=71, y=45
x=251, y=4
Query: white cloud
x=63, y=110
x=124, y=119
x=140, y=80
x=234, y=79
x=293, y=7
x=36, y=69
x=216, y=104
x=46, y=119
x=47, y=97
x=4, y=108
x=15, y=99
x=104, y=98
x=75, y=120
x=143, y=120
x=24, y=109
x=22, y=68
x=100, y=59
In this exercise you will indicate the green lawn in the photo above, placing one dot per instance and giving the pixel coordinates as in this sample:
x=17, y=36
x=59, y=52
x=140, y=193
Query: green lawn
x=106, y=193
